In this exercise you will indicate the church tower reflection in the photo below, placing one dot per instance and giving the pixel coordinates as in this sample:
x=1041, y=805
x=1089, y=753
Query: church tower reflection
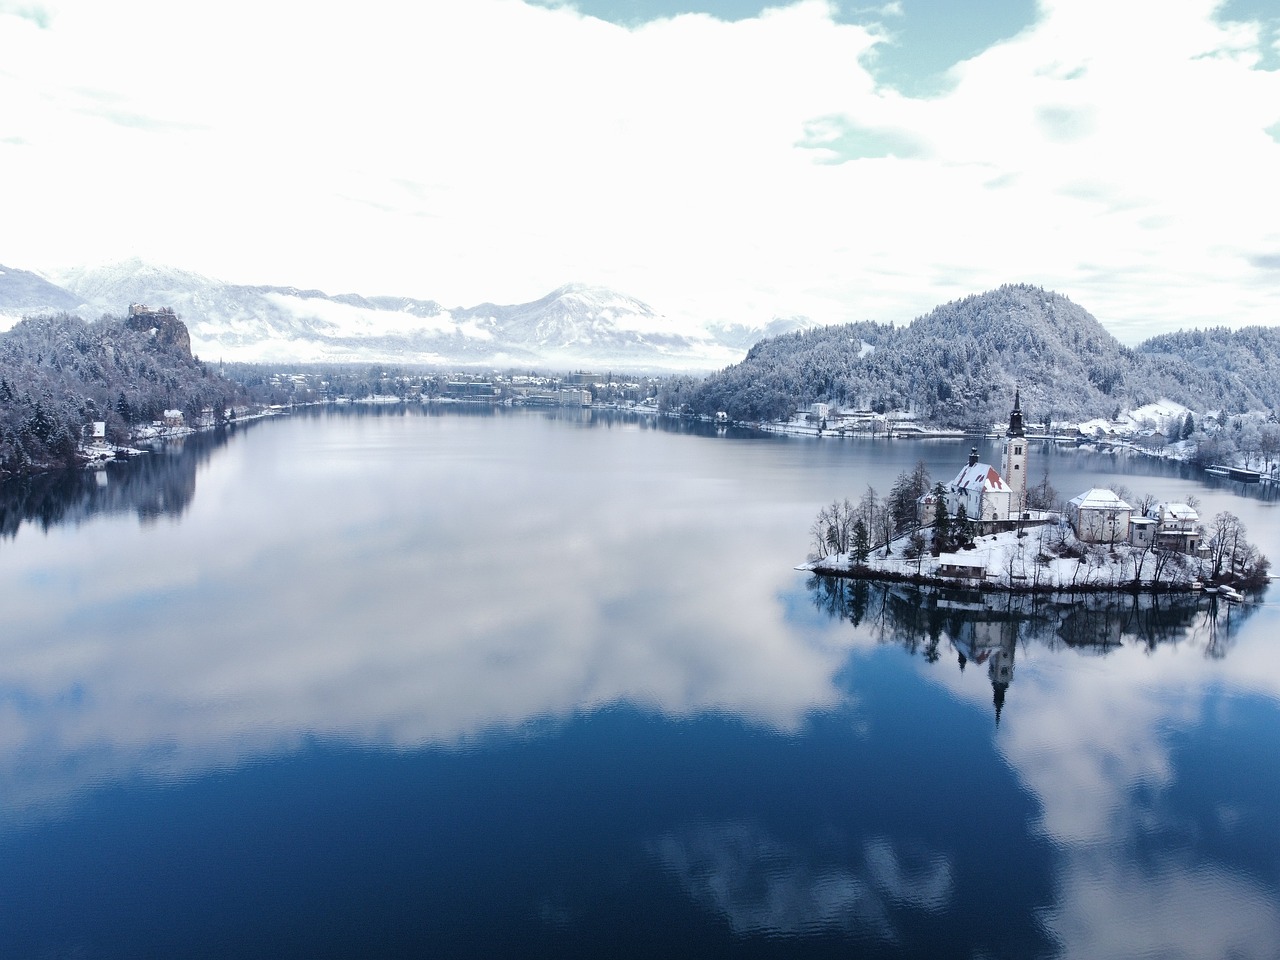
x=991, y=641
x=986, y=627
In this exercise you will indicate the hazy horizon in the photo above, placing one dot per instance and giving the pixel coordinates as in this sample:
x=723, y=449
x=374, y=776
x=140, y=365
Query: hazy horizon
x=724, y=160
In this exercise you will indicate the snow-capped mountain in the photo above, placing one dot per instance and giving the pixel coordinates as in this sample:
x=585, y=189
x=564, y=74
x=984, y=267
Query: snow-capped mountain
x=744, y=337
x=575, y=325
x=23, y=293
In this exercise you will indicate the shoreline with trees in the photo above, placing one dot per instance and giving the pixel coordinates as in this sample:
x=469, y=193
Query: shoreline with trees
x=60, y=374
x=885, y=539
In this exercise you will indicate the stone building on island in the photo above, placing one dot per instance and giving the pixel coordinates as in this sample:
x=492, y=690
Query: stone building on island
x=1099, y=516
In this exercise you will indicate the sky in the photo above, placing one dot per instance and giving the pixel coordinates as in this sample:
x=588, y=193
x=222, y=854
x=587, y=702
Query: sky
x=724, y=161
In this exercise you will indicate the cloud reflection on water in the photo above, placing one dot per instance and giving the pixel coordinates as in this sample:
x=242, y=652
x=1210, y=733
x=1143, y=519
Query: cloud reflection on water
x=398, y=601
x=1094, y=739
x=396, y=598
x=763, y=887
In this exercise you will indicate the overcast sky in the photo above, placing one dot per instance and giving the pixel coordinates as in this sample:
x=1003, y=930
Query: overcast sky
x=718, y=159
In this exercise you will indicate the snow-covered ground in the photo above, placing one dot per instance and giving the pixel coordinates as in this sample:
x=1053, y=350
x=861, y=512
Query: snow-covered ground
x=1046, y=556
x=1163, y=415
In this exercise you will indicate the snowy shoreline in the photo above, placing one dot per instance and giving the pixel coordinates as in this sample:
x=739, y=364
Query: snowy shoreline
x=1046, y=558
x=94, y=456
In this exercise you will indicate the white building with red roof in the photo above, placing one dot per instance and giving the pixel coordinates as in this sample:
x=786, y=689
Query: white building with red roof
x=986, y=495
x=982, y=490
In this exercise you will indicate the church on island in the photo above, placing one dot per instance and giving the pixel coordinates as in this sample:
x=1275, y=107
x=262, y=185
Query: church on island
x=992, y=500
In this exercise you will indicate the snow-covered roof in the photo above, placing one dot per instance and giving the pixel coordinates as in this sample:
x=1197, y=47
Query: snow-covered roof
x=1093, y=426
x=962, y=560
x=1173, y=511
x=980, y=475
x=1099, y=498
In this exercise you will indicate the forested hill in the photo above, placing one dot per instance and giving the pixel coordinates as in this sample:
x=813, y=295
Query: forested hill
x=58, y=373
x=958, y=366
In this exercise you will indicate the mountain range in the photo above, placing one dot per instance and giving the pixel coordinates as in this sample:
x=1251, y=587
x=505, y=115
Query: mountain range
x=574, y=326
x=957, y=365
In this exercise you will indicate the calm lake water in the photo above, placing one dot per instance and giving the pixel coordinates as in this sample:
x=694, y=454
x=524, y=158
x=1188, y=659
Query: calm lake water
x=394, y=683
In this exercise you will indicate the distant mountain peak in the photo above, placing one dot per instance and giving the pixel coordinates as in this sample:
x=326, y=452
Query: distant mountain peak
x=591, y=295
x=576, y=324
x=24, y=292
x=584, y=289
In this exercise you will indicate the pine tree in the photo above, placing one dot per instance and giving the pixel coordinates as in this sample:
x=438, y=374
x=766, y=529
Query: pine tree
x=941, y=521
x=861, y=542
x=961, y=535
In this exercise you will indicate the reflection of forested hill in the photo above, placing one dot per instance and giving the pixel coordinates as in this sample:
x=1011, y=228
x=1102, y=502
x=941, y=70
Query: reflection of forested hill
x=153, y=485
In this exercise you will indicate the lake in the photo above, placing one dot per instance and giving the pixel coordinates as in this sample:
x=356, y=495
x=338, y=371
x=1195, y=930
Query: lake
x=489, y=683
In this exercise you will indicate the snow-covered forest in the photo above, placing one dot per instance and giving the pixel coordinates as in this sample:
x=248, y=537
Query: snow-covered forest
x=58, y=373
x=958, y=366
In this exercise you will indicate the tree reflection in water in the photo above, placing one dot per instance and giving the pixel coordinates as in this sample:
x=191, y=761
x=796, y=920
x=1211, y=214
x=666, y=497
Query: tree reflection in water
x=986, y=628
x=161, y=483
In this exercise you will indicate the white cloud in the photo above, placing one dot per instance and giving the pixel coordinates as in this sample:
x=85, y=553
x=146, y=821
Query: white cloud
x=1106, y=908
x=490, y=149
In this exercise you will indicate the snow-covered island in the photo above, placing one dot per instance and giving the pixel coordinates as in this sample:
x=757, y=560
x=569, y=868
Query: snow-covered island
x=1044, y=556
x=987, y=529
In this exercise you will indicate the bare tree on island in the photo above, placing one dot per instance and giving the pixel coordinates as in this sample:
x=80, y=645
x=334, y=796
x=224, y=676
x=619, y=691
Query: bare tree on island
x=832, y=529
x=1231, y=556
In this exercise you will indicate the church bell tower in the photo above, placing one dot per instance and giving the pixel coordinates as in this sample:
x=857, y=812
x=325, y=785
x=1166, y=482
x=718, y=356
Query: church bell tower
x=1015, y=458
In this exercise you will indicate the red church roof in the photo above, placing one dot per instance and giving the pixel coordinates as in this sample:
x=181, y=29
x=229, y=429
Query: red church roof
x=980, y=475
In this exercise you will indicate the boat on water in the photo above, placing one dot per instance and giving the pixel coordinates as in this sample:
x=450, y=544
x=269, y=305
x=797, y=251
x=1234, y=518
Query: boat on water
x=1230, y=593
x=1234, y=473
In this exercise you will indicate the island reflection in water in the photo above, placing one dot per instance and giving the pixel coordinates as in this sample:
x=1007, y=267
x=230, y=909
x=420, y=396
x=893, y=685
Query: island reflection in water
x=566, y=702
x=986, y=627
x=1142, y=742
